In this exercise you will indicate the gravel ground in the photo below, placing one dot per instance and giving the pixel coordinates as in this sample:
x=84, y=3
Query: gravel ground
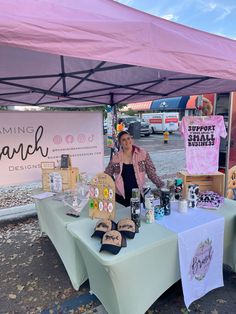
x=17, y=195
x=32, y=275
x=167, y=164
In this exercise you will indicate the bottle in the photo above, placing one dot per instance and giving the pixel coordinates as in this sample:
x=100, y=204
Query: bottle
x=149, y=208
x=135, y=193
x=165, y=200
x=135, y=211
x=178, y=188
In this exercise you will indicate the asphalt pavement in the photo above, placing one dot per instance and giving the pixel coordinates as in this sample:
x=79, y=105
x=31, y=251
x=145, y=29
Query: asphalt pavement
x=33, y=278
x=155, y=143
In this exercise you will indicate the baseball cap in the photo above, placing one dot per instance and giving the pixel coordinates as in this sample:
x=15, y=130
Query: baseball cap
x=113, y=241
x=102, y=226
x=127, y=227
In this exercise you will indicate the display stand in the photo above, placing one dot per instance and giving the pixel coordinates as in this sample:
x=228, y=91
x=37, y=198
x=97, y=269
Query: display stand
x=69, y=178
x=102, y=197
x=207, y=182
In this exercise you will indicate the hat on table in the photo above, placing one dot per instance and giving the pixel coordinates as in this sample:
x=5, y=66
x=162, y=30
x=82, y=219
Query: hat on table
x=127, y=227
x=113, y=241
x=102, y=227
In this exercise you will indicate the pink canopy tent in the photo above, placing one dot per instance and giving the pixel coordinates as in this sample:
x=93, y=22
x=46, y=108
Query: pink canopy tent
x=86, y=53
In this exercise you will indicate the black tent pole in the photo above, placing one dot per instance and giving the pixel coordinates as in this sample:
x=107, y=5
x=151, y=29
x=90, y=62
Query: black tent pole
x=114, y=123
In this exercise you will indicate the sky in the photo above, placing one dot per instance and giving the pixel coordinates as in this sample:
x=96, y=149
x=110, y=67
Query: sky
x=216, y=16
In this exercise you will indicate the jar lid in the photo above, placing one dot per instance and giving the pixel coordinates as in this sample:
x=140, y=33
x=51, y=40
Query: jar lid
x=165, y=190
x=178, y=181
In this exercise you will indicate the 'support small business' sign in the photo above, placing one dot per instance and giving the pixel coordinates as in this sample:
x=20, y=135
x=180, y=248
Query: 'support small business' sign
x=28, y=138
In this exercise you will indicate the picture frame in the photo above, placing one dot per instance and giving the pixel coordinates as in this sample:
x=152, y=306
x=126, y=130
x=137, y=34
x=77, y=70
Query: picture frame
x=65, y=161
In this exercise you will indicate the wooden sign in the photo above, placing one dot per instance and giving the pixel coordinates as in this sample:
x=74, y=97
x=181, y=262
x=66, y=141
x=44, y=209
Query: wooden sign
x=102, y=197
x=47, y=165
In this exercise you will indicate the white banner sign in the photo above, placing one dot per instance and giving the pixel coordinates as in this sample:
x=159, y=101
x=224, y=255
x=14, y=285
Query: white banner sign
x=201, y=259
x=28, y=138
x=200, y=241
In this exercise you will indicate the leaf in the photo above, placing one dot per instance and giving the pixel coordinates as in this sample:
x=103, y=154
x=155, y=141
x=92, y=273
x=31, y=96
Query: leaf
x=221, y=301
x=20, y=288
x=12, y=257
x=12, y=296
x=184, y=310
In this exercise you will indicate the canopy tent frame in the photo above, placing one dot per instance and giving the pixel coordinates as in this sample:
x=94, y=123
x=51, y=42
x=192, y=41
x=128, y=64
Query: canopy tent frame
x=77, y=53
x=69, y=95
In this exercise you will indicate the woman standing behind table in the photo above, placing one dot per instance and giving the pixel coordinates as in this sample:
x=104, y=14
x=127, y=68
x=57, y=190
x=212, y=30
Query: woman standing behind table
x=128, y=167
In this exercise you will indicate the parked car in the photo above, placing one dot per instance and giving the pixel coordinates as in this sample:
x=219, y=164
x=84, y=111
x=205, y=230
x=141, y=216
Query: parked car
x=162, y=121
x=144, y=128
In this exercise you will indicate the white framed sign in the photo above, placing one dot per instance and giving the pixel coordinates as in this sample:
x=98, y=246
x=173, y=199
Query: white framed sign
x=29, y=138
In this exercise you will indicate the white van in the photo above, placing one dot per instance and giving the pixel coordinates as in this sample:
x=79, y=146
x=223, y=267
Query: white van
x=162, y=121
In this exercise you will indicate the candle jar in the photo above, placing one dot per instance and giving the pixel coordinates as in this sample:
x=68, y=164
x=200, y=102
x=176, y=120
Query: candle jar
x=183, y=206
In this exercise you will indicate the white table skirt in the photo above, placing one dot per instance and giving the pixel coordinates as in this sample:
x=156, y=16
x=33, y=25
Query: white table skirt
x=132, y=280
x=53, y=222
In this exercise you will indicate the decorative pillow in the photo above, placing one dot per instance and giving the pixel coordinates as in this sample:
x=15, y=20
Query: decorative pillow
x=209, y=199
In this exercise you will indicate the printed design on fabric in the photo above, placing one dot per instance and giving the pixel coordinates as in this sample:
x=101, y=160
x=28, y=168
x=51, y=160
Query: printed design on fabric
x=102, y=225
x=126, y=226
x=201, y=260
x=116, y=168
x=111, y=237
x=201, y=135
x=141, y=165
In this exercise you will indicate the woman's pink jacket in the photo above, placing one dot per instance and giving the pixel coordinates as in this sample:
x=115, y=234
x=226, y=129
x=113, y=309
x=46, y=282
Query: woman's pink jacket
x=143, y=165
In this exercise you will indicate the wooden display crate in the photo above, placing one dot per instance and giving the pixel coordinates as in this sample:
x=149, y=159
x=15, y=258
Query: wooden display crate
x=207, y=182
x=69, y=178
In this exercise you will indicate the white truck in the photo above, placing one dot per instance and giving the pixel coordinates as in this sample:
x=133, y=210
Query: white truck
x=162, y=121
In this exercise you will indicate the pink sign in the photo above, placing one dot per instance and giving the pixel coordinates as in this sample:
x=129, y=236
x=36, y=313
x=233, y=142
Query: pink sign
x=29, y=138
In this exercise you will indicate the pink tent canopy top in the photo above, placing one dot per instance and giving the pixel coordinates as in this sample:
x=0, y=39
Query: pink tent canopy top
x=85, y=53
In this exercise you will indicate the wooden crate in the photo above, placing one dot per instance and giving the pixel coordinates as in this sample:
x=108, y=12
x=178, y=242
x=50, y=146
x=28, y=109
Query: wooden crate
x=207, y=182
x=69, y=178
